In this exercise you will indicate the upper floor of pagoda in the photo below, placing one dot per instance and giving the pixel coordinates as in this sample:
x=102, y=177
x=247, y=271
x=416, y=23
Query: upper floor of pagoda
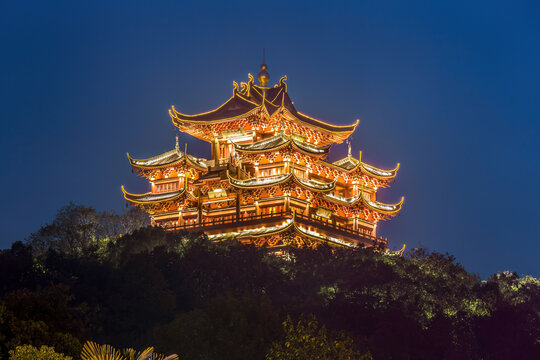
x=170, y=164
x=259, y=109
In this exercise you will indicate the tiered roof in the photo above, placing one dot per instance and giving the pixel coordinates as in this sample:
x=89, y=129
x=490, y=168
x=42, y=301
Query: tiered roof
x=388, y=209
x=251, y=99
x=350, y=164
x=153, y=198
x=265, y=128
x=256, y=183
x=282, y=141
x=168, y=159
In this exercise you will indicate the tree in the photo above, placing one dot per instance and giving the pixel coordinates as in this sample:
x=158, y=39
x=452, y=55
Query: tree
x=79, y=230
x=29, y=352
x=227, y=327
x=43, y=317
x=16, y=268
x=306, y=340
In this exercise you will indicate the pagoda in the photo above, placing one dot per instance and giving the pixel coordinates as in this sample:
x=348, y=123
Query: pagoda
x=269, y=181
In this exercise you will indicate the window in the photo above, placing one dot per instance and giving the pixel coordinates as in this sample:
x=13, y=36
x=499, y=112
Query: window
x=271, y=172
x=167, y=187
x=301, y=174
x=324, y=212
x=217, y=193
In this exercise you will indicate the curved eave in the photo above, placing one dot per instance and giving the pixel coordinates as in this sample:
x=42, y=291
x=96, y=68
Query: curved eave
x=138, y=199
x=322, y=188
x=195, y=164
x=342, y=130
x=388, y=209
x=281, y=179
x=246, y=148
x=323, y=151
x=180, y=119
x=241, y=184
x=367, y=169
x=379, y=173
x=253, y=233
x=178, y=161
x=337, y=167
x=290, y=224
x=133, y=163
x=320, y=237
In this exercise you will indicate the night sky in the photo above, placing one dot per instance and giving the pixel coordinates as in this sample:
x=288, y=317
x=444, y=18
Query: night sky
x=448, y=89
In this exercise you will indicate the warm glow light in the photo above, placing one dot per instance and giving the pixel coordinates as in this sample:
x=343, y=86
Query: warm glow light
x=247, y=139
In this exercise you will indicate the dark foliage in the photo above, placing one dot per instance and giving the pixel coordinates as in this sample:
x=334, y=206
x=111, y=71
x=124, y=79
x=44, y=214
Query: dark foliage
x=90, y=276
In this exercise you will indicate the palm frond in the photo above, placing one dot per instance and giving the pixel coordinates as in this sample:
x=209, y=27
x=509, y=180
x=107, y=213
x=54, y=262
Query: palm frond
x=145, y=354
x=93, y=351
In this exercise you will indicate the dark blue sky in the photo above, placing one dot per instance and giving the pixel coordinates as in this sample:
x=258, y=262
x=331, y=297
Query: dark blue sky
x=448, y=89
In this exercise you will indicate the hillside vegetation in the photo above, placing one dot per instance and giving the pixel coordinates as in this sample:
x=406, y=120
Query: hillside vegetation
x=107, y=278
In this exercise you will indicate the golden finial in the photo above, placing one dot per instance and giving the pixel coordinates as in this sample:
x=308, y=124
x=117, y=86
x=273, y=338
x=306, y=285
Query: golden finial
x=263, y=74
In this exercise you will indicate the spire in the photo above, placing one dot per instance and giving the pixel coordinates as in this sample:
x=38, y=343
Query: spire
x=263, y=74
x=349, y=145
x=177, y=147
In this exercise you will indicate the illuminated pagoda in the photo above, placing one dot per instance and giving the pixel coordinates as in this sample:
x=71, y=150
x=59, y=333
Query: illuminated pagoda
x=268, y=181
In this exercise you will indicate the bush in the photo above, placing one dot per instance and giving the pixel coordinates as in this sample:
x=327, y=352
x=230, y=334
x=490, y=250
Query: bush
x=29, y=352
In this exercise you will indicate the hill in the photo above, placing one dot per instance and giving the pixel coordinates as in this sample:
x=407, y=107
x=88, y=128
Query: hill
x=110, y=279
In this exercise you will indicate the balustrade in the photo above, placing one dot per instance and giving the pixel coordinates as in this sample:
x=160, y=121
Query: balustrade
x=283, y=214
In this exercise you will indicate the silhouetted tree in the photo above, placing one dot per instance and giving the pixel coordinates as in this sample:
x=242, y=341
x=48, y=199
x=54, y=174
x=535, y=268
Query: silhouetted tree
x=227, y=327
x=307, y=340
x=78, y=230
x=47, y=316
x=105, y=277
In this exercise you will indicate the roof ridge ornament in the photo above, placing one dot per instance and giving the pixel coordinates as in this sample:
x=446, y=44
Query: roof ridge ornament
x=263, y=74
x=177, y=147
x=282, y=82
x=250, y=84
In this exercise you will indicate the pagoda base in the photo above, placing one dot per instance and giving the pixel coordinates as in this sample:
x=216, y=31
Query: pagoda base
x=284, y=229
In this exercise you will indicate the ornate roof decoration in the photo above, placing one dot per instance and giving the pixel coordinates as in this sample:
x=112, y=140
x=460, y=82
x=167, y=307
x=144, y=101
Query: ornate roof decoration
x=380, y=173
x=287, y=225
x=268, y=181
x=263, y=231
x=314, y=185
x=251, y=99
x=388, y=209
x=350, y=164
x=169, y=158
x=255, y=183
x=263, y=74
x=281, y=141
x=153, y=198
x=396, y=252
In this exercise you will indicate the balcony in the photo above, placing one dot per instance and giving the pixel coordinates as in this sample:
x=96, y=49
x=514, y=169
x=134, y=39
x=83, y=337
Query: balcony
x=247, y=222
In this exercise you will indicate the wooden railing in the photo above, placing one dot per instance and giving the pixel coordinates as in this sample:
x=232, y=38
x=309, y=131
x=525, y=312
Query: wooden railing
x=284, y=214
